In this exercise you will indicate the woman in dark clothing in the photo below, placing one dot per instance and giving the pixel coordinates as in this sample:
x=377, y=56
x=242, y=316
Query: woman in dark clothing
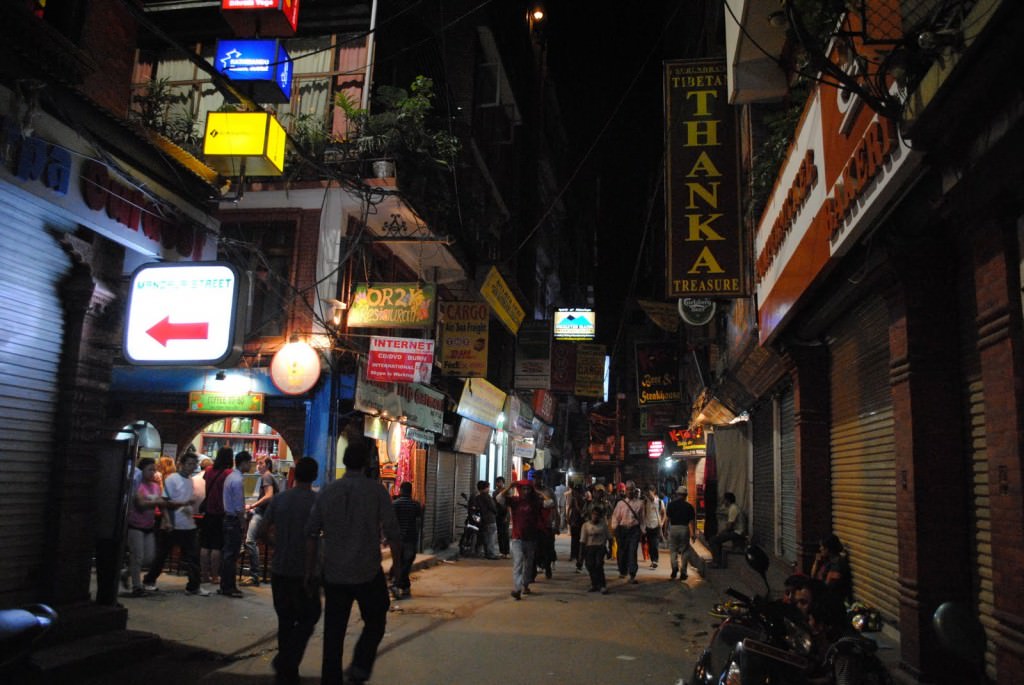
x=211, y=528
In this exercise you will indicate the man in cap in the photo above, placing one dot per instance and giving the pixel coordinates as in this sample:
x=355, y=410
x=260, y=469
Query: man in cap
x=682, y=531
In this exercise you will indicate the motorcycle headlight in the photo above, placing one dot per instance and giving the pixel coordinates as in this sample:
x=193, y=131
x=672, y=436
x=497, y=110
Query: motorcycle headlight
x=798, y=638
x=733, y=676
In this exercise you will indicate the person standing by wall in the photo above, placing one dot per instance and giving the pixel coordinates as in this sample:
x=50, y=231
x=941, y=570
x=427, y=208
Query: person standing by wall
x=485, y=504
x=409, y=513
x=141, y=524
x=297, y=605
x=352, y=514
x=501, y=519
x=234, y=509
x=267, y=490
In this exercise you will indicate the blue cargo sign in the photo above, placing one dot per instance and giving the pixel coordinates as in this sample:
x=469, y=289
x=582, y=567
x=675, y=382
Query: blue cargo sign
x=262, y=68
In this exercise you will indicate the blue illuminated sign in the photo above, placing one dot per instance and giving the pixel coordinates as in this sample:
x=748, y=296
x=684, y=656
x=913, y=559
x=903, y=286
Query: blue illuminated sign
x=261, y=68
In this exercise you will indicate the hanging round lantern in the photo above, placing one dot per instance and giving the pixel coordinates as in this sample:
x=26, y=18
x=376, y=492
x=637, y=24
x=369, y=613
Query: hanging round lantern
x=295, y=368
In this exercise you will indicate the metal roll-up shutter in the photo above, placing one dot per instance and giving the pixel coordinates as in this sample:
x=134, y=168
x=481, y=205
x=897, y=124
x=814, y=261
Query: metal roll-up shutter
x=763, y=523
x=863, y=454
x=31, y=336
x=444, y=500
x=465, y=482
x=787, y=464
x=977, y=456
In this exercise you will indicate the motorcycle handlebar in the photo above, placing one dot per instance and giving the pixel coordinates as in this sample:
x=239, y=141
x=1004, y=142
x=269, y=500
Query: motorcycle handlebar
x=739, y=595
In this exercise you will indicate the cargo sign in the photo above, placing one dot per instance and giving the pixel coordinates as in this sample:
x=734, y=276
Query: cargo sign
x=203, y=402
x=392, y=305
x=400, y=360
x=704, y=242
x=464, y=334
x=183, y=314
x=505, y=305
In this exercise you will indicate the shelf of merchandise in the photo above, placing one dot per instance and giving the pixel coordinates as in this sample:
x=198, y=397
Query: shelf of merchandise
x=257, y=443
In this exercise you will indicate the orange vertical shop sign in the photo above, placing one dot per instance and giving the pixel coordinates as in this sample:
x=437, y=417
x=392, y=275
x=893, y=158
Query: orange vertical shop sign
x=705, y=246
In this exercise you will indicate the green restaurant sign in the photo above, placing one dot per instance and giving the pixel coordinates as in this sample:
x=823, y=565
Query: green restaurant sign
x=204, y=402
x=393, y=305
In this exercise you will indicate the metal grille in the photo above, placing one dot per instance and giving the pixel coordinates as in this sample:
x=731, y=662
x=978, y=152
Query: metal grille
x=787, y=458
x=763, y=523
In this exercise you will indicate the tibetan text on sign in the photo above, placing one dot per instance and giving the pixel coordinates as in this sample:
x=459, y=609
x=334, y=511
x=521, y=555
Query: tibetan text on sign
x=392, y=305
x=464, y=333
x=704, y=242
x=505, y=305
x=400, y=360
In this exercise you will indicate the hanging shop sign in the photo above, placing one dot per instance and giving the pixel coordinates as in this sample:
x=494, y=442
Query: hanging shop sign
x=657, y=374
x=272, y=18
x=655, y=448
x=422, y=406
x=523, y=448
x=420, y=436
x=259, y=68
x=519, y=417
x=590, y=365
x=533, y=355
x=184, y=314
x=696, y=311
x=244, y=143
x=705, y=247
x=563, y=366
x=205, y=402
x=472, y=437
x=688, y=442
x=544, y=405
x=400, y=360
x=295, y=368
x=574, y=324
x=393, y=305
x=481, y=402
x=464, y=336
x=655, y=419
x=504, y=304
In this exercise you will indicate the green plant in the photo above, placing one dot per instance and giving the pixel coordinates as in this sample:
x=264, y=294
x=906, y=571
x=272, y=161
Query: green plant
x=159, y=108
x=399, y=127
x=309, y=131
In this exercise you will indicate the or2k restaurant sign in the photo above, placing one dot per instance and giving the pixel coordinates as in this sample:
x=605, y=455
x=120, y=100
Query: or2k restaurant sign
x=704, y=242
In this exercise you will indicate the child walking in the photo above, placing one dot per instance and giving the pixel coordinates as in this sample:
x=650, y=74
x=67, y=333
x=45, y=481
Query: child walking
x=593, y=539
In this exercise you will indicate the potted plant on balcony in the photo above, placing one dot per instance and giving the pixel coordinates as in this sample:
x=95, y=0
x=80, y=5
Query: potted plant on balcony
x=399, y=130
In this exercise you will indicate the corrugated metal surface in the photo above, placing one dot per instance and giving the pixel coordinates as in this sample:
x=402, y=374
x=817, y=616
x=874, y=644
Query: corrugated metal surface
x=787, y=459
x=763, y=523
x=464, y=481
x=863, y=454
x=977, y=455
x=444, y=501
x=31, y=334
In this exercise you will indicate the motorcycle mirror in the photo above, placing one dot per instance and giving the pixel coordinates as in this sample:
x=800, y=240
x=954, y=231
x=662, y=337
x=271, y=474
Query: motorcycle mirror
x=960, y=632
x=757, y=560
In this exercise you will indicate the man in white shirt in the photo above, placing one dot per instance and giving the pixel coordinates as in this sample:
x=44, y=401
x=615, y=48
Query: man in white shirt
x=735, y=529
x=180, y=503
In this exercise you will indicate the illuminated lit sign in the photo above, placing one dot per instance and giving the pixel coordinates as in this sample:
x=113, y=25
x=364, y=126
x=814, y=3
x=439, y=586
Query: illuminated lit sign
x=184, y=314
x=274, y=18
x=295, y=368
x=400, y=360
x=260, y=68
x=655, y=448
x=393, y=305
x=206, y=402
x=575, y=324
x=253, y=139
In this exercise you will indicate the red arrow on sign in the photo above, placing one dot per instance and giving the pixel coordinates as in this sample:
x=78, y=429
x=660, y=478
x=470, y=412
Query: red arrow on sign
x=165, y=330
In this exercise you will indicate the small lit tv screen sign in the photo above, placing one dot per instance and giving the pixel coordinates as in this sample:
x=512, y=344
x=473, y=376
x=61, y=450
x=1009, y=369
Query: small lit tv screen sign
x=574, y=324
x=184, y=314
x=260, y=68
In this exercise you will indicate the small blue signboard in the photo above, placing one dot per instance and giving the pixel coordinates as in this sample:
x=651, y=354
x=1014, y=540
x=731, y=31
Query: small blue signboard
x=260, y=68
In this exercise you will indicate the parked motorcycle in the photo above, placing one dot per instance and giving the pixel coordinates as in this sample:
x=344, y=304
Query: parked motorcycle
x=470, y=528
x=20, y=630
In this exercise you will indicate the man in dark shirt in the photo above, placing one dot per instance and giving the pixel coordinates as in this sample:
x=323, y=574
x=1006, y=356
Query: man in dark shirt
x=409, y=512
x=682, y=531
x=267, y=489
x=297, y=605
x=488, y=509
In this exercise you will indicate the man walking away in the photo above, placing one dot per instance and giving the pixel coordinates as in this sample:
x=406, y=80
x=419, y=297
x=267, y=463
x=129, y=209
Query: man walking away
x=352, y=514
x=297, y=605
x=682, y=531
x=488, y=509
x=268, y=488
x=234, y=509
x=409, y=513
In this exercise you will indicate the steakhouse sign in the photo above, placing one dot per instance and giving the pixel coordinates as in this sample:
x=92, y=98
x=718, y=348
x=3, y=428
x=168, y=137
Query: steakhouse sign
x=705, y=251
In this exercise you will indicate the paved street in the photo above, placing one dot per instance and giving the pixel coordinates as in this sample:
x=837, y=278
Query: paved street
x=460, y=626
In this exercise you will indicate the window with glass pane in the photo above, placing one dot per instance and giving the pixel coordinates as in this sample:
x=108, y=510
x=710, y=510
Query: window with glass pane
x=264, y=251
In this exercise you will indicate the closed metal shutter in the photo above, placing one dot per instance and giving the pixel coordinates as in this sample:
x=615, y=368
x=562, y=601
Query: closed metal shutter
x=444, y=500
x=31, y=335
x=464, y=482
x=787, y=463
x=977, y=455
x=763, y=523
x=863, y=454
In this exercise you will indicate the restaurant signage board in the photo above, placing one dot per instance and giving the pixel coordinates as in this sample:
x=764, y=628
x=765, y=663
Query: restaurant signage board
x=208, y=402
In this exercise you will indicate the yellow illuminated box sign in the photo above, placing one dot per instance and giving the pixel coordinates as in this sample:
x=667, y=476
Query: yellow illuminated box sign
x=253, y=138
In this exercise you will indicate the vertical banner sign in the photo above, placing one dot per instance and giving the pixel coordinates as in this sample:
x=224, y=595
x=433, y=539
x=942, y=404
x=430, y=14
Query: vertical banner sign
x=704, y=242
x=533, y=355
x=657, y=374
x=504, y=303
x=590, y=370
x=464, y=333
x=393, y=305
x=563, y=366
